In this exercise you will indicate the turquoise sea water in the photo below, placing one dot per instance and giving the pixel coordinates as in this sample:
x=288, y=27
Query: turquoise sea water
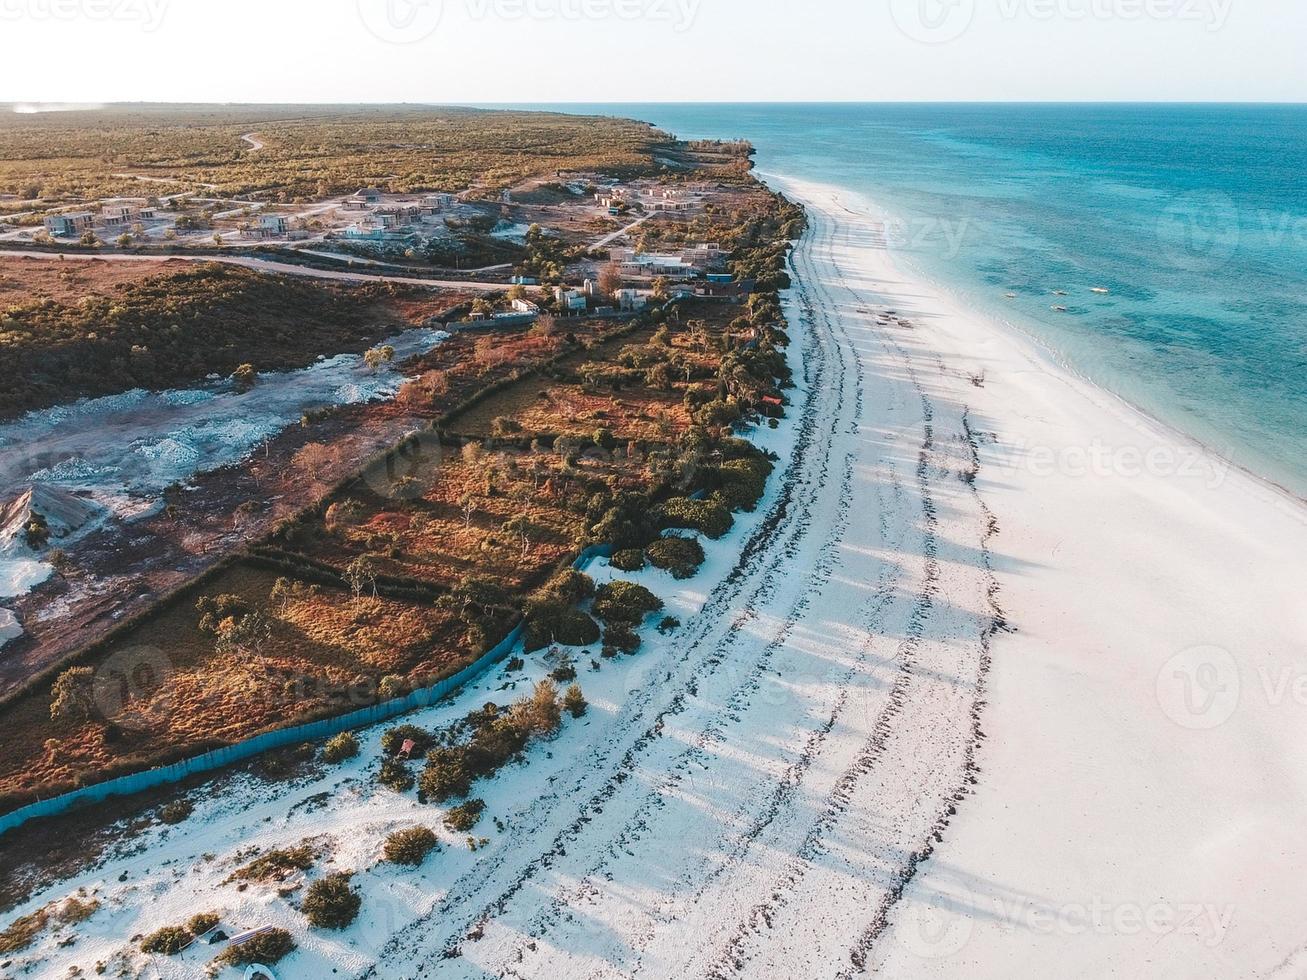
x=1194, y=217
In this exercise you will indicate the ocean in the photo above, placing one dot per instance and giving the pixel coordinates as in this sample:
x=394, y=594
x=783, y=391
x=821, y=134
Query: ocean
x=1193, y=218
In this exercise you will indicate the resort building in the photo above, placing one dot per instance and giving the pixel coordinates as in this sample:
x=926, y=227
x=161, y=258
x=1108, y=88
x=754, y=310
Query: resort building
x=69, y=225
x=273, y=225
x=570, y=300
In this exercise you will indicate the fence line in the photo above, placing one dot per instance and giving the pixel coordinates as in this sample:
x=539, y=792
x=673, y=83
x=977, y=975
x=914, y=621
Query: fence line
x=310, y=732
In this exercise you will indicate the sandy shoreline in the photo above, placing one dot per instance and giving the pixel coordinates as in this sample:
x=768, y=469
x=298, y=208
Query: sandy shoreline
x=1145, y=747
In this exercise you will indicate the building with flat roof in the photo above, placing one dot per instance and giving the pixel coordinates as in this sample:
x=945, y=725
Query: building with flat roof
x=69, y=225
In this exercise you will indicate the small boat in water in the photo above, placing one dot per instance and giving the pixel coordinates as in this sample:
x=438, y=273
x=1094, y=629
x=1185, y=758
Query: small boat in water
x=1059, y=309
x=1010, y=295
x=1101, y=290
x=1059, y=292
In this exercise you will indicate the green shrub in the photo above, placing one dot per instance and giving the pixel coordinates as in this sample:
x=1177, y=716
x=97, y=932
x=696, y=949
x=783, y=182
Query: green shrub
x=576, y=629
x=463, y=818
x=198, y=925
x=680, y=556
x=392, y=688
x=708, y=516
x=395, y=775
x=625, y=602
x=574, y=701
x=620, y=637
x=341, y=747
x=668, y=624
x=446, y=776
x=410, y=846
x=742, y=482
x=177, y=811
x=393, y=740
x=630, y=560
x=277, y=864
x=551, y=618
x=269, y=949
x=168, y=941
x=330, y=902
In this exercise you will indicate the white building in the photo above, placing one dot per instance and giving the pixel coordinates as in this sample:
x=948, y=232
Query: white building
x=570, y=300
x=273, y=225
x=117, y=215
x=69, y=225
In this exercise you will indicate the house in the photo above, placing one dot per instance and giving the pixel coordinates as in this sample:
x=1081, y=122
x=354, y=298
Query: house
x=69, y=225
x=707, y=255
x=438, y=202
x=117, y=215
x=633, y=300
x=570, y=300
x=525, y=306
x=525, y=281
x=368, y=195
x=273, y=225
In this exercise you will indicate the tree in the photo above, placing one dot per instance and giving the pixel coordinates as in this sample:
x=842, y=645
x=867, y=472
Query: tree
x=610, y=279
x=361, y=574
x=124, y=240
x=72, y=697
x=89, y=239
x=574, y=701
x=522, y=528
x=468, y=504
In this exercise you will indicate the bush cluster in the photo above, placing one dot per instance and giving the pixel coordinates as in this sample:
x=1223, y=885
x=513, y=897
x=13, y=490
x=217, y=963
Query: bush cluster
x=330, y=902
x=269, y=949
x=463, y=818
x=626, y=603
x=339, y=748
x=680, y=556
x=497, y=736
x=707, y=516
x=410, y=846
x=552, y=616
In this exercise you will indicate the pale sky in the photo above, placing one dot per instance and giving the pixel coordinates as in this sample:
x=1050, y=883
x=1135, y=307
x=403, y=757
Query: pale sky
x=461, y=51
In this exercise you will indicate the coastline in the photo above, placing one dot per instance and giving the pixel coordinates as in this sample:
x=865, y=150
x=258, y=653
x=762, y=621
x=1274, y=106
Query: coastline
x=1037, y=346
x=1151, y=616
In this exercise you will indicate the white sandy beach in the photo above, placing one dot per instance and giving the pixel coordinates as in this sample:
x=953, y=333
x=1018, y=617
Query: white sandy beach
x=1002, y=680
x=1146, y=749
